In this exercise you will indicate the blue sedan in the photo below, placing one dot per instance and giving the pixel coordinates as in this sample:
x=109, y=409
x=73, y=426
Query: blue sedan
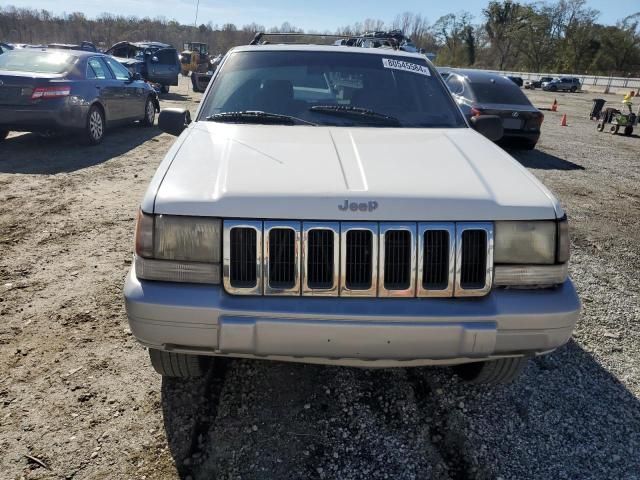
x=52, y=90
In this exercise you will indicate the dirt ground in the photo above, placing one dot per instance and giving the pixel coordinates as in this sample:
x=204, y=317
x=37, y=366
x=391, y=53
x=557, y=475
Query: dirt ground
x=79, y=399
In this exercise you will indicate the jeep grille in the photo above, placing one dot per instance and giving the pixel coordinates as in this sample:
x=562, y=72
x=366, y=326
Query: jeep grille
x=350, y=259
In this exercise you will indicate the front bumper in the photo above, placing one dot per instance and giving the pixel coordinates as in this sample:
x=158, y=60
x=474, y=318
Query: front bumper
x=203, y=319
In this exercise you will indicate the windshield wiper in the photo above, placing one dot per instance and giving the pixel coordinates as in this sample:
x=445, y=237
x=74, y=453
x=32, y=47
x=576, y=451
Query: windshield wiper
x=357, y=112
x=255, y=116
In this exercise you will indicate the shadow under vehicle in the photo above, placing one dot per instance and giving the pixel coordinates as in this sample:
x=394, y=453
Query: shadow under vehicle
x=50, y=91
x=155, y=62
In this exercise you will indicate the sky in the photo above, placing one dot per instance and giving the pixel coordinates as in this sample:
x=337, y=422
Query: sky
x=310, y=15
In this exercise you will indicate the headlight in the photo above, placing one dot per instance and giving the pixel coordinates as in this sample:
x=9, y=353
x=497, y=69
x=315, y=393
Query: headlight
x=178, y=248
x=525, y=242
x=529, y=254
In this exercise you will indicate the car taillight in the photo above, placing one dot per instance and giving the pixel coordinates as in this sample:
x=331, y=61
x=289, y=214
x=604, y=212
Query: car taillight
x=475, y=112
x=50, y=92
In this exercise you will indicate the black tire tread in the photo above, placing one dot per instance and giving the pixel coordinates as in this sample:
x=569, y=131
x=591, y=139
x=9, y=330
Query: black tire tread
x=493, y=372
x=170, y=364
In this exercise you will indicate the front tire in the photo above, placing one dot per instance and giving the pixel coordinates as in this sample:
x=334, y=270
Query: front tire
x=492, y=372
x=614, y=129
x=164, y=88
x=94, y=131
x=149, y=113
x=180, y=365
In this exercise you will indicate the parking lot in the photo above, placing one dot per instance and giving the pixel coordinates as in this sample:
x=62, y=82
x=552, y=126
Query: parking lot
x=78, y=398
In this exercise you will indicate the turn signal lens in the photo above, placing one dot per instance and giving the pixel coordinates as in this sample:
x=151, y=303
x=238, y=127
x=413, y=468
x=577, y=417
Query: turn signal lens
x=529, y=275
x=144, y=235
x=564, y=242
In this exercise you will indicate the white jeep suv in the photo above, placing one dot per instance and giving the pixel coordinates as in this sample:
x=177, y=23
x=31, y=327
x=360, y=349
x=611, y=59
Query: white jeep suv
x=331, y=204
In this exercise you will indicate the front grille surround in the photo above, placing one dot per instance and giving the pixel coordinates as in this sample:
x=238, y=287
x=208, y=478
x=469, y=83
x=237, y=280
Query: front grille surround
x=294, y=286
x=372, y=228
x=487, y=228
x=230, y=225
x=385, y=230
x=332, y=243
x=333, y=228
x=450, y=229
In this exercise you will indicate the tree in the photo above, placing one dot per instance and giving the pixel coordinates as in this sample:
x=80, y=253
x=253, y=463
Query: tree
x=504, y=23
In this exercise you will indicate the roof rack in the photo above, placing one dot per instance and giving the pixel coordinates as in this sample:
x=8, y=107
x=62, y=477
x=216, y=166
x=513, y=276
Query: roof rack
x=349, y=40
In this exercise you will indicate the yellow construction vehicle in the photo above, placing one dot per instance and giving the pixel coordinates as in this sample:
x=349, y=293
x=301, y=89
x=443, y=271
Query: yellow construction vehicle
x=194, y=58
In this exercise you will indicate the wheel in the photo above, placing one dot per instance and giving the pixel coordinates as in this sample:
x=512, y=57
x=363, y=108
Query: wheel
x=95, y=125
x=600, y=126
x=3, y=134
x=492, y=372
x=628, y=130
x=614, y=129
x=164, y=88
x=553, y=88
x=573, y=89
x=180, y=365
x=149, y=113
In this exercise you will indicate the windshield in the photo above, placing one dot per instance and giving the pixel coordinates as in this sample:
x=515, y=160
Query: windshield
x=36, y=61
x=499, y=93
x=312, y=85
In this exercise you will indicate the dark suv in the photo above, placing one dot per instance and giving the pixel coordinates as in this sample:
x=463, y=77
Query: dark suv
x=155, y=62
x=564, y=84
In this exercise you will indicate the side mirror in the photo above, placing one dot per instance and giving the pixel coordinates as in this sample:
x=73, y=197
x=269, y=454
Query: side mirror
x=488, y=125
x=136, y=76
x=174, y=120
x=154, y=59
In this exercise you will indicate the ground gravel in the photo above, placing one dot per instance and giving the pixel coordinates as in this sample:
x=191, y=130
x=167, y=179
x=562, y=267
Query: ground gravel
x=78, y=398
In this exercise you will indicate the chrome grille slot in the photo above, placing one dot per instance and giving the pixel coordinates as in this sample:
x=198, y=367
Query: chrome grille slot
x=243, y=271
x=359, y=259
x=320, y=265
x=474, y=269
x=282, y=263
x=282, y=258
x=397, y=260
x=397, y=276
x=435, y=268
x=474, y=259
x=321, y=258
x=242, y=257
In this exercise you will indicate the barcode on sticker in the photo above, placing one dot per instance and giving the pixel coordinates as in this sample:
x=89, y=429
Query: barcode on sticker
x=405, y=66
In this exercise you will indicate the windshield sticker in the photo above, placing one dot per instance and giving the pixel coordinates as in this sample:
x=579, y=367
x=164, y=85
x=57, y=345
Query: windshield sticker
x=405, y=66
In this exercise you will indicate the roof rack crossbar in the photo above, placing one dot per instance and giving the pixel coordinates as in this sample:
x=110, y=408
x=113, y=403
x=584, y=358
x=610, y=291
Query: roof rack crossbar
x=260, y=35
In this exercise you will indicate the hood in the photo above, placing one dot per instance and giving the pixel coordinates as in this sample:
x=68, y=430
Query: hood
x=327, y=173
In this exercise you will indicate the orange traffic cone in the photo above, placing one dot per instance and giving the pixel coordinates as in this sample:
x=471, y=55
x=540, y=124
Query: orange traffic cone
x=554, y=105
x=563, y=122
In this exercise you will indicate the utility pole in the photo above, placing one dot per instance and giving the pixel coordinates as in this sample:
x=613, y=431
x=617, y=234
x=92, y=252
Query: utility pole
x=195, y=23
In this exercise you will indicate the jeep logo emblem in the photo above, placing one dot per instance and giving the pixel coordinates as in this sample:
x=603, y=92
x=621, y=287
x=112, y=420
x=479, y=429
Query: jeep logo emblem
x=369, y=206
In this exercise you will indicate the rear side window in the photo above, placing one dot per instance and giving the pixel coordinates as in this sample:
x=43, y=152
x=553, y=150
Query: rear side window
x=455, y=84
x=120, y=72
x=167, y=56
x=97, y=69
x=37, y=61
x=508, y=94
